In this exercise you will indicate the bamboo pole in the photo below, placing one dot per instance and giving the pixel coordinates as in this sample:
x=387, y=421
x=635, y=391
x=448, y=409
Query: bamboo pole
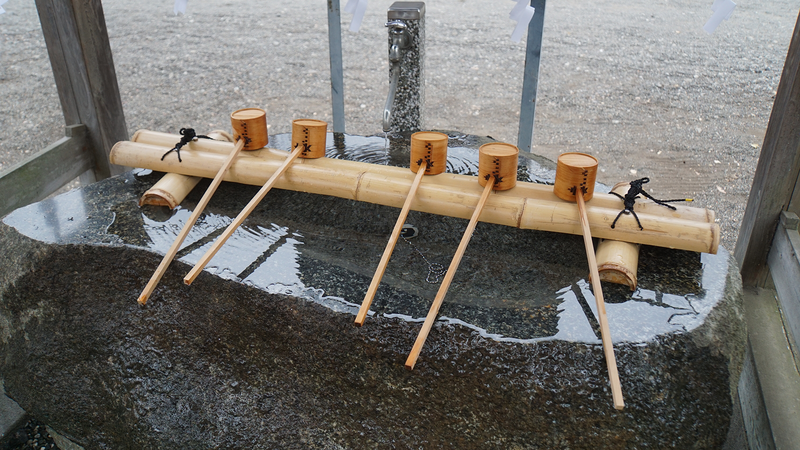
x=187, y=227
x=527, y=190
x=597, y=289
x=527, y=206
x=448, y=278
x=221, y=146
x=387, y=252
x=201, y=264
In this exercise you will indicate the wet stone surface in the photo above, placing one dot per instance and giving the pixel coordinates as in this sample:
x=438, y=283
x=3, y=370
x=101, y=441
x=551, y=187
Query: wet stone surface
x=261, y=350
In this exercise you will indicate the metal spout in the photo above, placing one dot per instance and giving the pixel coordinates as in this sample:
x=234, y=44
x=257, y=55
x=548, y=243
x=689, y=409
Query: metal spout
x=387, y=109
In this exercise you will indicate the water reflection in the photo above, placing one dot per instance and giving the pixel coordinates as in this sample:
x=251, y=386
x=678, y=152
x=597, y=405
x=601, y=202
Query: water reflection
x=262, y=257
x=161, y=231
x=514, y=285
x=50, y=221
x=306, y=260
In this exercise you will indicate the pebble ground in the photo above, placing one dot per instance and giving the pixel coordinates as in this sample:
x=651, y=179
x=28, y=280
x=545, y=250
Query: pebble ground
x=637, y=83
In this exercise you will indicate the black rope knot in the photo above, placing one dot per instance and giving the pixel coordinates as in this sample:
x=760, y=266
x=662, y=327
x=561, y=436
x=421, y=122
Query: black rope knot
x=188, y=136
x=629, y=200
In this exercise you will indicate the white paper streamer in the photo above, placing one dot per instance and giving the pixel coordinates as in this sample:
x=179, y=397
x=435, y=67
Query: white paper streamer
x=723, y=9
x=1, y=6
x=522, y=13
x=180, y=7
x=357, y=8
x=518, y=8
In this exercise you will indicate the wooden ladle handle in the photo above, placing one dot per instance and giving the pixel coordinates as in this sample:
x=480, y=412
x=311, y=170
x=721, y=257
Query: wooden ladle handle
x=187, y=227
x=597, y=289
x=204, y=260
x=387, y=252
x=448, y=278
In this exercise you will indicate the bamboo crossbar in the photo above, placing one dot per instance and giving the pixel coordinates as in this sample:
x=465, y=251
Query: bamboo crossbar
x=526, y=206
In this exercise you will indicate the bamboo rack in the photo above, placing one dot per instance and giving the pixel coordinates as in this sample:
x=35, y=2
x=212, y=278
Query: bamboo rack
x=527, y=206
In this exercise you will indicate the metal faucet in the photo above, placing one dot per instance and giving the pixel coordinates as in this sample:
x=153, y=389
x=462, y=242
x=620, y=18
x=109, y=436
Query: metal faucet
x=400, y=41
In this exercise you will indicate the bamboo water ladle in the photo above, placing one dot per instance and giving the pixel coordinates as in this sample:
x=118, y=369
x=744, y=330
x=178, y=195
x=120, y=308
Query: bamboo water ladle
x=576, y=173
x=308, y=141
x=250, y=127
x=497, y=169
x=428, y=157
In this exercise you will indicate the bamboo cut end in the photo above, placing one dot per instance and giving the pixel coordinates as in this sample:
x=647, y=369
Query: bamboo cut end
x=498, y=160
x=250, y=124
x=575, y=172
x=158, y=197
x=618, y=262
x=310, y=135
x=429, y=148
x=112, y=155
x=714, y=238
x=143, y=299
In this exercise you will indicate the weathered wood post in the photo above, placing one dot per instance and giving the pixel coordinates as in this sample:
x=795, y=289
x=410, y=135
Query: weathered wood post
x=83, y=68
x=776, y=174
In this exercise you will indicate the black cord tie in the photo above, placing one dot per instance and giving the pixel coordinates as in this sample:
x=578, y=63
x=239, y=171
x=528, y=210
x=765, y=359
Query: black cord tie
x=188, y=136
x=629, y=200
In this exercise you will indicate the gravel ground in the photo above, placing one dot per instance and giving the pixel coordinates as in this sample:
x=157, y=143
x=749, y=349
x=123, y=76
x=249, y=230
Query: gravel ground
x=32, y=435
x=637, y=83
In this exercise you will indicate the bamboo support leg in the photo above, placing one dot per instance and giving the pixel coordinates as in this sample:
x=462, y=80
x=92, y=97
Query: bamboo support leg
x=204, y=260
x=387, y=252
x=169, y=191
x=201, y=205
x=605, y=332
x=448, y=278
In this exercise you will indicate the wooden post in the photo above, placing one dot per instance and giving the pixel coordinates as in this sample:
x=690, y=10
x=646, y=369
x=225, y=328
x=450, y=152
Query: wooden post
x=80, y=55
x=776, y=173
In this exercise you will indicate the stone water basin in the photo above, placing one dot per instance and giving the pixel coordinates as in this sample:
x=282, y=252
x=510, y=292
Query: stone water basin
x=261, y=350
